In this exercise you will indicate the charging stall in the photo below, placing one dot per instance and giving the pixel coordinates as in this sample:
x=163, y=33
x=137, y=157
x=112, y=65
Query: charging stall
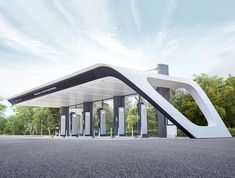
x=73, y=124
x=121, y=121
x=62, y=125
x=87, y=124
x=80, y=125
x=101, y=122
x=142, y=119
x=143, y=130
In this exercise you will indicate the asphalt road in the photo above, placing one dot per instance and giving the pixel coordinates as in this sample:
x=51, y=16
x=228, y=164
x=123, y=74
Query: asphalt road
x=45, y=157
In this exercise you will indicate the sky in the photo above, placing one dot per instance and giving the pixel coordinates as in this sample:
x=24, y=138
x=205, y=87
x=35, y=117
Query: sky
x=43, y=40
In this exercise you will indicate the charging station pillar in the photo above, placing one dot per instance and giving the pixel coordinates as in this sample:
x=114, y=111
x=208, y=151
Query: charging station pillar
x=101, y=122
x=80, y=124
x=143, y=116
x=142, y=119
x=121, y=121
x=64, y=121
x=87, y=118
x=119, y=115
x=73, y=124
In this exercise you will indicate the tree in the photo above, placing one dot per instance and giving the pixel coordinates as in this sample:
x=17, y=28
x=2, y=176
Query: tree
x=151, y=118
x=24, y=116
x=132, y=119
x=14, y=126
x=3, y=122
x=53, y=115
x=39, y=119
x=32, y=120
x=229, y=101
x=2, y=108
x=188, y=107
x=219, y=91
x=2, y=116
x=109, y=116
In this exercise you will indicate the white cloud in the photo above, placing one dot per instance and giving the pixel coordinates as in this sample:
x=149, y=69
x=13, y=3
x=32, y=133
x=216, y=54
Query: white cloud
x=89, y=38
x=136, y=15
x=77, y=34
x=229, y=28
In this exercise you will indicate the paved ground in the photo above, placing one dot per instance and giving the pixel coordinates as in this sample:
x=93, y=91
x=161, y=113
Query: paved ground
x=45, y=157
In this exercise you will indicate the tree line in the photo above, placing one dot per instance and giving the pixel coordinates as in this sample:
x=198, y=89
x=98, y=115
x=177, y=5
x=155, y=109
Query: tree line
x=29, y=121
x=40, y=121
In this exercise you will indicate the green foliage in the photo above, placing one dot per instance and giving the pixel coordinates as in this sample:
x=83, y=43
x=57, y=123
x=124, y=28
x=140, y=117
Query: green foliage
x=2, y=108
x=109, y=117
x=232, y=131
x=31, y=121
x=132, y=119
x=3, y=122
x=188, y=107
x=14, y=126
x=152, y=124
x=229, y=102
x=221, y=93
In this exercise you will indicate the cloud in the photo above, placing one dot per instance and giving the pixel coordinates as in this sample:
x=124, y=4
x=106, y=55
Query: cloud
x=71, y=35
x=61, y=37
x=136, y=15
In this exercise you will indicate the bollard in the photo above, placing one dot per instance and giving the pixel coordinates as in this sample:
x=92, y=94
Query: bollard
x=132, y=132
x=111, y=132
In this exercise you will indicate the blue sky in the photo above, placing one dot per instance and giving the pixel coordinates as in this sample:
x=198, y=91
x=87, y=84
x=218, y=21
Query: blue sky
x=43, y=40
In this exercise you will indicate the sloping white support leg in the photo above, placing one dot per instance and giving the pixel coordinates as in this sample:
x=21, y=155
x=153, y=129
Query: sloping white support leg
x=145, y=81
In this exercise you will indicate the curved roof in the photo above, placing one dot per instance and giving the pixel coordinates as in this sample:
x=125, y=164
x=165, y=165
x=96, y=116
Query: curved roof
x=104, y=81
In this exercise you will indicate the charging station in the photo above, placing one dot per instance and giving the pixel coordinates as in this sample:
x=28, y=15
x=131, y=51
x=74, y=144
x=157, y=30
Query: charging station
x=62, y=125
x=80, y=125
x=142, y=119
x=74, y=124
x=87, y=123
x=121, y=121
x=101, y=122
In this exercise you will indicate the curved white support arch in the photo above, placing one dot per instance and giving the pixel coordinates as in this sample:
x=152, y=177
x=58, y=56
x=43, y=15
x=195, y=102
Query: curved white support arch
x=146, y=80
